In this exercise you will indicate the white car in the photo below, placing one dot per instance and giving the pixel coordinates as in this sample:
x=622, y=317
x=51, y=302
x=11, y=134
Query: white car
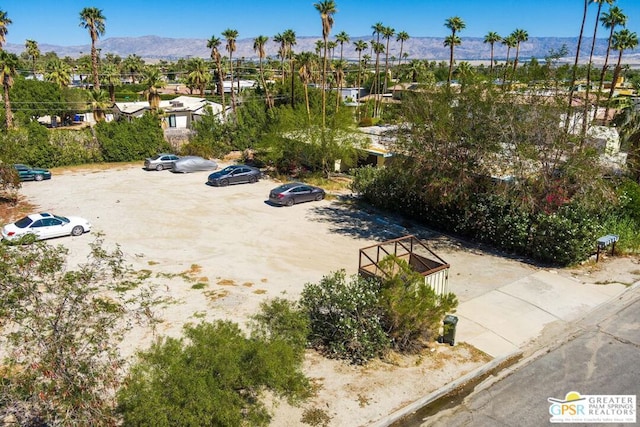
x=46, y=226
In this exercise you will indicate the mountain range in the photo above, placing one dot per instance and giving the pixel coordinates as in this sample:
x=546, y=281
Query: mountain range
x=154, y=48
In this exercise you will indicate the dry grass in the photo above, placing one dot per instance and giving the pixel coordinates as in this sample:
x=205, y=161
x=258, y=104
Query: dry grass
x=93, y=167
x=226, y=282
x=10, y=211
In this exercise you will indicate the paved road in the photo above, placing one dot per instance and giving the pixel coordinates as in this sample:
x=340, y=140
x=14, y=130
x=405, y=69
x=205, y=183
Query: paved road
x=601, y=356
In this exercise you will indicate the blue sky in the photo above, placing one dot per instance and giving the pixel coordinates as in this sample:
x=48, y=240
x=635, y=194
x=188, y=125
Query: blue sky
x=57, y=22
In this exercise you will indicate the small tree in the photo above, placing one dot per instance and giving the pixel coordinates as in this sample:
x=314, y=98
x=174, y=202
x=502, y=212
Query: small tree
x=412, y=310
x=60, y=332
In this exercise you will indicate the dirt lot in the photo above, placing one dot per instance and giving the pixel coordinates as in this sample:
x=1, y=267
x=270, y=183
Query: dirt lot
x=243, y=251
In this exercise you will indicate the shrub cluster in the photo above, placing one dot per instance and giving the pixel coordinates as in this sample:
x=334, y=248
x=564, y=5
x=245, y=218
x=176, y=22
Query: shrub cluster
x=121, y=141
x=358, y=318
x=562, y=236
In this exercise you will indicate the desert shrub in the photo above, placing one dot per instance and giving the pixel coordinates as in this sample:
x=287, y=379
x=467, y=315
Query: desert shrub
x=281, y=319
x=345, y=317
x=629, y=196
x=365, y=122
x=126, y=141
x=412, y=311
x=37, y=151
x=213, y=376
x=210, y=139
x=61, y=331
x=493, y=218
x=74, y=147
x=566, y=236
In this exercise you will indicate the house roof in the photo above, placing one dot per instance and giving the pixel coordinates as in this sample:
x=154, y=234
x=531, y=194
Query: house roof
x=181, y=103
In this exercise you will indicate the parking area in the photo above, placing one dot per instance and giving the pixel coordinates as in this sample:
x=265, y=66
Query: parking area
x=244, y=248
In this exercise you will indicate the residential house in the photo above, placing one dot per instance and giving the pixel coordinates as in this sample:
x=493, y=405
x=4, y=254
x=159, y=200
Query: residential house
x=178, y=114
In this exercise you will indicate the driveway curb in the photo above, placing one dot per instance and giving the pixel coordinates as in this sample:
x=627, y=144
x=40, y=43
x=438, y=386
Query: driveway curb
x=469, y=380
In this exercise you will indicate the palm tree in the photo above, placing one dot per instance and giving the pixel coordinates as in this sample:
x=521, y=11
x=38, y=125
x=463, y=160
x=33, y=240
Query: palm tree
x=492, y=38
x=332, y=48
x=360, y=46
x=33, y=52
x=111, y=77
x=91, y=18
x=378, y=28
x=455, y=24
x=231, y=36
x=622, y=40
x=326, y=8
x=199, y=75
x=402, y=37
x=387, y=33
x=378, y=48
x=519, y=36
x=289, y=37
x=610, y=20
x=306, y=61
x=342, y=38
x=510, y=42
x=214, y=43
x=58, y=72
x=152, y=81
x=339, y=67
x=258, y=47
x=8, y=70
x=575, y=62
x=593, y=46
x=4, y=22
x=100, y=103
x=133, y=65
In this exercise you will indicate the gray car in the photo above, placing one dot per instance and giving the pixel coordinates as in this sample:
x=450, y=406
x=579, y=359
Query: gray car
x=295, y=192
x=160, y=162
x=234, y=174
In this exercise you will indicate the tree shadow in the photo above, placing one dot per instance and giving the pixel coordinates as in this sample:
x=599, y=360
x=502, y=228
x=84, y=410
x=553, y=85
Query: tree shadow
x=352, y=217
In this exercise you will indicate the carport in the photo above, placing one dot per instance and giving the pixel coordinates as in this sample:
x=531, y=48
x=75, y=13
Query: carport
x=412, y=250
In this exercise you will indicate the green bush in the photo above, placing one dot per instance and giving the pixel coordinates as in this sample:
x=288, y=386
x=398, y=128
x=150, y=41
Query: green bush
x=213, y=376
x=345, y=317
x=566, y=236
x=126, y=141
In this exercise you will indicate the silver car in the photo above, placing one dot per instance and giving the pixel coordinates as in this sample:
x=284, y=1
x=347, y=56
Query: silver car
x=160, y=162
x=188, y=164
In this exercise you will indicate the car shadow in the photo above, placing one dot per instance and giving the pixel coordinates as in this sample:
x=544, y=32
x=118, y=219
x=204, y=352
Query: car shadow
x=270, y=203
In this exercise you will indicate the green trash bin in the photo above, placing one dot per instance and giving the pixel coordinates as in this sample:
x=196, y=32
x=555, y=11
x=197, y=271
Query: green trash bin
x=449, y=329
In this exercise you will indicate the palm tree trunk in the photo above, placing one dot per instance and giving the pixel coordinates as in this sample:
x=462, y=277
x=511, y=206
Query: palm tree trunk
x=7, y=107
x=616, y=73
x=603, y=73
x=575, y=65
x=588, y=89
x=324, y=84
x=221, y=83
x=233, y=96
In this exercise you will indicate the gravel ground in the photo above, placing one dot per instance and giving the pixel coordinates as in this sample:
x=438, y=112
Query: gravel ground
x=246, y=251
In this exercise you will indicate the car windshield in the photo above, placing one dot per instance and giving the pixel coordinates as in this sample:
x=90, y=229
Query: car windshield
x=227, y=169
x=62, y=218
x=23, y=222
